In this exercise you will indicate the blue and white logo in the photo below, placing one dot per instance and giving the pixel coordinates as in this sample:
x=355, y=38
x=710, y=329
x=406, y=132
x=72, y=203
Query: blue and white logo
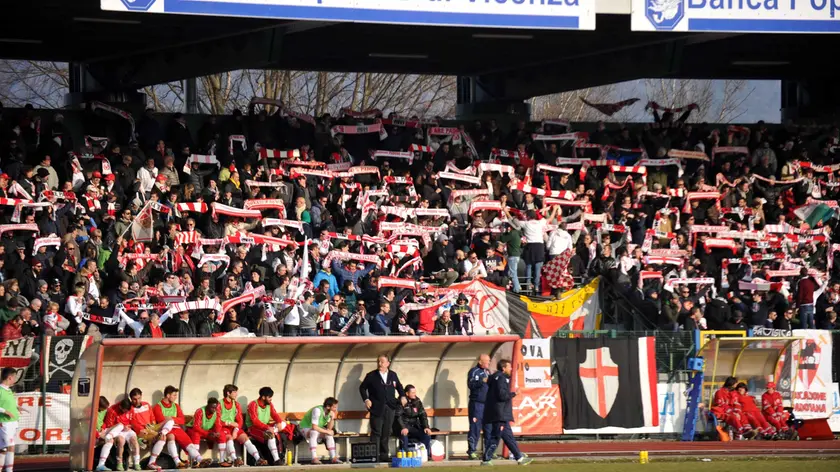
x=138, y=5
x=664, y=15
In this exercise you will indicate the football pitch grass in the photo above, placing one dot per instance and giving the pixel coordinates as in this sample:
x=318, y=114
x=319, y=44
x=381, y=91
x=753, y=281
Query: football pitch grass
x=829, y=464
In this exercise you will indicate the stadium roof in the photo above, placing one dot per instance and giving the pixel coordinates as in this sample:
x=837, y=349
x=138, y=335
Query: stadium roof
x=129, y=50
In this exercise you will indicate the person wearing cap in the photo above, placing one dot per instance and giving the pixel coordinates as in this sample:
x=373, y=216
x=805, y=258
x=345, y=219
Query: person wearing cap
x=29, y=279
x=438, y=264
x=773, y=409
x=462, y=315
x=51, y=178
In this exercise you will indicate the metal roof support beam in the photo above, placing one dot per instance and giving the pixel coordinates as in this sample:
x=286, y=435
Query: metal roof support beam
x=259, y=49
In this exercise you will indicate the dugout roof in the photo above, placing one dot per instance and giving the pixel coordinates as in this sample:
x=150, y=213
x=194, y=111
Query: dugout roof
x=126, y=51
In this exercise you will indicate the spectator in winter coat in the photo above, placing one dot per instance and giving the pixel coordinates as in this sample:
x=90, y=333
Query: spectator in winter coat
x=444, y=326
x=806, y=297
x=351, y=272
x=326, y=274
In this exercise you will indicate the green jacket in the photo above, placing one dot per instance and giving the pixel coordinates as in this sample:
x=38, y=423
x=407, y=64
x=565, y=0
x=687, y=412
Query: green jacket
x=513, y=239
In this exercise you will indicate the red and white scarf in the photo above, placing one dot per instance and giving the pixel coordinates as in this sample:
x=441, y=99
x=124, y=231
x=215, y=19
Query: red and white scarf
x=350, y=256
x=409, y=156
x=237, y=138
x=679, y=154
x=420, y=148
x=47, y=241
x=214, y=258
x=585, y=205
x=609, y=186
x=669, y=285
x=485, y=205
x=268, y=222
x=560, y=137
x=361, y=129
x=662, y=162
x=196, y=207
x=729, y=150
x=712, y=243
x=691, y=196
x=278, y=154
x=201, y=159
x=664, y=260
x=460, y=177
x=222, y=209
x=124, y=114
x=556, y=170
x=469, y=193
x=492, y=167
x=396, y=282
x=251, y=238
x=255, y=183
x=187, y=237
x=526, y=188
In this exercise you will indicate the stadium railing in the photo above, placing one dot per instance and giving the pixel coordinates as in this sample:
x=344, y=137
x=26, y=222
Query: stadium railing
x=44, y=399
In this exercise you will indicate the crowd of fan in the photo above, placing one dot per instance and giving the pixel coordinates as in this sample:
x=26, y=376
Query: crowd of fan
x=283, y=224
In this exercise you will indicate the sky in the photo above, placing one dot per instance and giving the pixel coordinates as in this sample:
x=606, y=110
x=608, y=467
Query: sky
x=763, y=103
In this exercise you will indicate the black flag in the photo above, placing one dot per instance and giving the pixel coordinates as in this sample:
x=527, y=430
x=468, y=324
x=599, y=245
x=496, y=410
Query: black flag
x=607, y=382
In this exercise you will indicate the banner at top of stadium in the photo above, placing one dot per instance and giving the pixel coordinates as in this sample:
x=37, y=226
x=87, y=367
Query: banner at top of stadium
x=739, y=16
x=536, y=14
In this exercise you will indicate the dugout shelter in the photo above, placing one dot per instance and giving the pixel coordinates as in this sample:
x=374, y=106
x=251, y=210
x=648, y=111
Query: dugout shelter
x=302, y=372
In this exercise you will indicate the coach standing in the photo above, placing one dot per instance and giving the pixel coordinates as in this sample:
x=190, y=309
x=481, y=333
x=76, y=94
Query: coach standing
x=499, y=413
x=379, y=390
x=477, y=383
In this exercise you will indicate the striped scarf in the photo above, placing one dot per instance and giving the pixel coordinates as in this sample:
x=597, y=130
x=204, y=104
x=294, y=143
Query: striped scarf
x=362, y=129
x=237, y=138
x=221, y=209
x=278, y=154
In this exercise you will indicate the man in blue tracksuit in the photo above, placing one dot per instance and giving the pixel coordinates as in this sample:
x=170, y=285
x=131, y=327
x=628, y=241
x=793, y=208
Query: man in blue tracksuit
x=477, y=383
x=498, y=414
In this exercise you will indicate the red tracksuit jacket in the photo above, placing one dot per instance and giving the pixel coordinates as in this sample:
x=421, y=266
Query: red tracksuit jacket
x=114, y=416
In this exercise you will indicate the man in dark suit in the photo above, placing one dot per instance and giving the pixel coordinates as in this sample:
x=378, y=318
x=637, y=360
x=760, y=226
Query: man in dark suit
x=379, y=390
x=498, y=412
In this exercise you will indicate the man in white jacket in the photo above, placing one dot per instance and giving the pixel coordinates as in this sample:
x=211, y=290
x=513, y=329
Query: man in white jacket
x=559, y=241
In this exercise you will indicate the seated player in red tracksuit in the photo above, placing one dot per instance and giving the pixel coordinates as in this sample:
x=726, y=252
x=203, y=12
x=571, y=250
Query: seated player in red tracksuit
x=773, y=409
x=207, y=425
x=143, y=424
x=116, y=426
x=233, y=425
x=726, y=410
x=751, y=413
x=168, y=413
x=264, y=424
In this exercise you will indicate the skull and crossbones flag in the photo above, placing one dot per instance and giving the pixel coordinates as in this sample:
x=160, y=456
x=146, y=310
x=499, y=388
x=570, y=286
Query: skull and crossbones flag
x=607, y=382
x=62, y=356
